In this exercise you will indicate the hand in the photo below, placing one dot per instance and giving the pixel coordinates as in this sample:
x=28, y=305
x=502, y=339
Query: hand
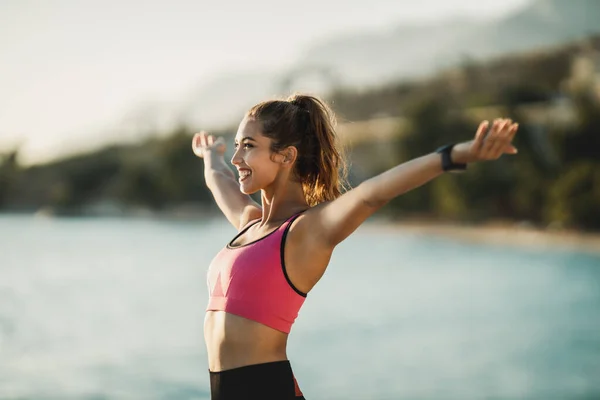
x=204, y=144
x=490, y=146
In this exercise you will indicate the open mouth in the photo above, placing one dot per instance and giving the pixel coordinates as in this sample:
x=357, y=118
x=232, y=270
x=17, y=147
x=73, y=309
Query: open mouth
x=244, y=174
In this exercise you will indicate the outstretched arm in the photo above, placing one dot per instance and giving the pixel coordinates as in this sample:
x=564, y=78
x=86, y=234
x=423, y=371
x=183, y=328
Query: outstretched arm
x=333, y=221
x=238, y=207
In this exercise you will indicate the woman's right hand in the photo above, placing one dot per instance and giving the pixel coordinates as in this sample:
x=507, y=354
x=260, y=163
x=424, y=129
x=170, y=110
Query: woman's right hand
x=204, y=144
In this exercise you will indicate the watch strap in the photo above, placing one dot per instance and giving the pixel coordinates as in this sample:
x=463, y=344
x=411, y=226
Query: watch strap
x=447, y=164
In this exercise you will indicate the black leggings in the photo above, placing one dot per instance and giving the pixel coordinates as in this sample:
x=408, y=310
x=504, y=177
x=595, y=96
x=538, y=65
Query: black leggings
x=268, y=381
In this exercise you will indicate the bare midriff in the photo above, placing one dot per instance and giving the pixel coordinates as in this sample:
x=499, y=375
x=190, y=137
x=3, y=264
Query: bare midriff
x=233, y=341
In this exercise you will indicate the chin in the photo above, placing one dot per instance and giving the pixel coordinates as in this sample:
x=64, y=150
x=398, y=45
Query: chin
x=248, y=190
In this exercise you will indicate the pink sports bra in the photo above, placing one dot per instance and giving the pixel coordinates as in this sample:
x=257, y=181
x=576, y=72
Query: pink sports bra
x=251, y=281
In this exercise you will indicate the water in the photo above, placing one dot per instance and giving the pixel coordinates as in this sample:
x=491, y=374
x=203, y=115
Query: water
x=113, y=309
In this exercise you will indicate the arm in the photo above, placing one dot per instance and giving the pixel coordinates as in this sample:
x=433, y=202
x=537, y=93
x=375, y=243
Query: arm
x=238, y=208
x=336, y=220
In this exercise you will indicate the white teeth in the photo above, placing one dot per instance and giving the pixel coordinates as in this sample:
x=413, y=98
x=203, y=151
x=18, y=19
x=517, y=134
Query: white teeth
x=244, y=174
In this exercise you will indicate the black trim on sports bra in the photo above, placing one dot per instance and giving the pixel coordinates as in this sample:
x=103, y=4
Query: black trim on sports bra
x=282, y=253
x=230, y=244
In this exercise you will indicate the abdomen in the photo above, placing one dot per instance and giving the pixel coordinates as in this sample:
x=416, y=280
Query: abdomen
x=233, y=341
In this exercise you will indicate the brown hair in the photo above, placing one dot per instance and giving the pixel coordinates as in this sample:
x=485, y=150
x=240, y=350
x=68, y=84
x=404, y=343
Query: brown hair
x=307, y=123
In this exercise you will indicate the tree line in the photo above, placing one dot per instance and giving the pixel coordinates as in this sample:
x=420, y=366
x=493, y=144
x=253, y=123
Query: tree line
x=553, y=181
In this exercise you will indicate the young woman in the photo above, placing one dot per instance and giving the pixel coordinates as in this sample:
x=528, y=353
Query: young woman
x=287, y=150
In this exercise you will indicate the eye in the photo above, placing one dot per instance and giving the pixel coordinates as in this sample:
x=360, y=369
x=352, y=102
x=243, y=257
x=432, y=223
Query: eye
x=245, y=145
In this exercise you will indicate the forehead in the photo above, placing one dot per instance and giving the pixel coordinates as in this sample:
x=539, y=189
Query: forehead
x=249, y=127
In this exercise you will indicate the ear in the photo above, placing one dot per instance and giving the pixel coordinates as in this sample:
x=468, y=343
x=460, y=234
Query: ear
x=289, y=155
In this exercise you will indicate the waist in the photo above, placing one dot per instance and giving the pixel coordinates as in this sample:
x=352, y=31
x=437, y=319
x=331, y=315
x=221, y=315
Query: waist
x=276, y=313
x=233, y=341
x=273, y=380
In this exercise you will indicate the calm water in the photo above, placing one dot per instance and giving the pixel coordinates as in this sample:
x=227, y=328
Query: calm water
x=113, y=309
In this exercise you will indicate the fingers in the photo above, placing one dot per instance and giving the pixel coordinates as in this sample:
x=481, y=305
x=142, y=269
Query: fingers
x=196, y=140
x=199, y=143
x=480, y=135
x=509, y=148
x=219, y=145
x=203, y=143
x=498, y=140
x=491, y=138
x=513, y=131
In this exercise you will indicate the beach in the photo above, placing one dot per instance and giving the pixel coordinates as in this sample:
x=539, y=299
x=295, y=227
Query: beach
x=500, y=233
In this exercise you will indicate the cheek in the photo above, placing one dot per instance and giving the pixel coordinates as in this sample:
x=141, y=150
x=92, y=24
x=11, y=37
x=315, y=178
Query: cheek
x=264, y=170
x=260, y=160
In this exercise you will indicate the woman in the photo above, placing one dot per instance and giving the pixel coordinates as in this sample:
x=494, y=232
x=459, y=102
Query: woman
x=286, y=149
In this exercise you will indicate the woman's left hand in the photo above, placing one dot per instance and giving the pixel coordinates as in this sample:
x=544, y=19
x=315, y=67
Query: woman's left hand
x=487, y=145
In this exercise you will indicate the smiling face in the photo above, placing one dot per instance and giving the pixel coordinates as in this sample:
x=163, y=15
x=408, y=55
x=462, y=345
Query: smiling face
x=257, y=165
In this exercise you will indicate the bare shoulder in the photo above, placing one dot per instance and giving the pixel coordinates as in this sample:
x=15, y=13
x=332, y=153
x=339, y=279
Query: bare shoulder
x=331, y=222
x=306, y=256
x=307, y=229
x=305, y=225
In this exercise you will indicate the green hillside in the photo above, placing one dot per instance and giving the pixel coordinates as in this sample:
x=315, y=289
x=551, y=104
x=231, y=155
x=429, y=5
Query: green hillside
x=554, y=181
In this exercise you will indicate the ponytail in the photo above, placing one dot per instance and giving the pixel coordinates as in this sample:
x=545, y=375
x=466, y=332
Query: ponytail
x=307, y=123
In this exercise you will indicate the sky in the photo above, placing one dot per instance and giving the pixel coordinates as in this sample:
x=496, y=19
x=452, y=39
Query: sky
x=71, y=68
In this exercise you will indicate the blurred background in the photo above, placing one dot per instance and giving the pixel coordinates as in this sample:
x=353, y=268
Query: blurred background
x=484, y=285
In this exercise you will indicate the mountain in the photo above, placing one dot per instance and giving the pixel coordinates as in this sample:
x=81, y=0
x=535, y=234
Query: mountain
x=404, y=52
x=356, y=60
x=370, y=58
x=408, y=52
x=223, y=100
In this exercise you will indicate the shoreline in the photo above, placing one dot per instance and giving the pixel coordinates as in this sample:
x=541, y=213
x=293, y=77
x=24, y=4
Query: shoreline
x=505, y=234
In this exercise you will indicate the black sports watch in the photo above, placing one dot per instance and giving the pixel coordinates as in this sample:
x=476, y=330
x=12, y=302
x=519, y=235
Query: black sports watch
x=447, y=164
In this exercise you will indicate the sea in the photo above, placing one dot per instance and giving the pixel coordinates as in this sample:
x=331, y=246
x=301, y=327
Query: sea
x=113, y=308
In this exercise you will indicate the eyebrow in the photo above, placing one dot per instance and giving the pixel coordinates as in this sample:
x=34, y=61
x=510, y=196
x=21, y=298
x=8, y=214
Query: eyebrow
x=247, y=138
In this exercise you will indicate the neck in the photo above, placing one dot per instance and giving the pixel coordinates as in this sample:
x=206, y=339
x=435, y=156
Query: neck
x=281, y=201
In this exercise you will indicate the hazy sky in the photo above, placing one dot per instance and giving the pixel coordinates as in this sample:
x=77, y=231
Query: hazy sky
x=70, y=67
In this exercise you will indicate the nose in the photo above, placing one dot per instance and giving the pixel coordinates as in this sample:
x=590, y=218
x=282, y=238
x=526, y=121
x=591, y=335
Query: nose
x=236, y=159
